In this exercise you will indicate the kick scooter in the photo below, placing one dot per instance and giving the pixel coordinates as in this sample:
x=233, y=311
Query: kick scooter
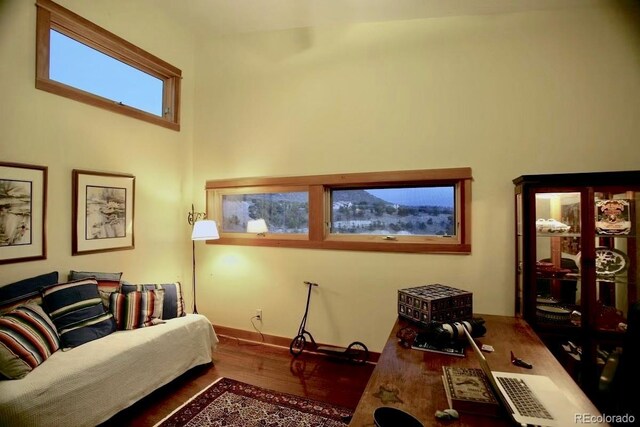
x=355, y=352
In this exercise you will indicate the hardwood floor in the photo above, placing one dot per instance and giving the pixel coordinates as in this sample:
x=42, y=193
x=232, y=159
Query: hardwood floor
x=318, y=377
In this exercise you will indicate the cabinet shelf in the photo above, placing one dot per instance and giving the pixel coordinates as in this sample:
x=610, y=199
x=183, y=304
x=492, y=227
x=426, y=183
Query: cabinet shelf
x=565, y=277
x=618, y=279
x=621, y=279
x=558, y=235
x=608, y=336
x=549, y=328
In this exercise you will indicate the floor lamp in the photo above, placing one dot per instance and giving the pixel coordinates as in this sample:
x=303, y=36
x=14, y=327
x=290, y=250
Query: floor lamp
x=203, y=229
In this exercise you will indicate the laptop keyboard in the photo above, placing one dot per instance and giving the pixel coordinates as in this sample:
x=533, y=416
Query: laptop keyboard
x=524, y=400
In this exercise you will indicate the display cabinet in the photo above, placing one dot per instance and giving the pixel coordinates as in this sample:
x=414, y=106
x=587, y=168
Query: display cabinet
x=577, y=256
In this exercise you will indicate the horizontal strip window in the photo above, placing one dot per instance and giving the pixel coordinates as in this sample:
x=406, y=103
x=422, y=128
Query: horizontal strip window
x=79, y=60
x=424, y=211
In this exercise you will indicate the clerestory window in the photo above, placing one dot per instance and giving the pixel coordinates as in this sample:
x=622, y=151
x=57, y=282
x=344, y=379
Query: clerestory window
x=79, y=60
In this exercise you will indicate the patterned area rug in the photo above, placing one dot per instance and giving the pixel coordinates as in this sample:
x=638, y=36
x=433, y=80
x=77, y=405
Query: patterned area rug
x=228, y=402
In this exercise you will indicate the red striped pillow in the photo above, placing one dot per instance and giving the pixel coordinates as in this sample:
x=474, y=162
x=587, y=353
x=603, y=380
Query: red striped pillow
x=27, y=338
x=136, y=309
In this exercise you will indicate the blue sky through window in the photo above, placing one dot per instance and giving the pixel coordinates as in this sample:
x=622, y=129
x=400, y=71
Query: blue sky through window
x=85, y=68
x=417, y=196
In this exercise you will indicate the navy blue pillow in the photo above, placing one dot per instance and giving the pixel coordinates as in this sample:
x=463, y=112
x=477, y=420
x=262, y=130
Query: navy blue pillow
x=77, y=311
x=173, y=305
x=20, y=292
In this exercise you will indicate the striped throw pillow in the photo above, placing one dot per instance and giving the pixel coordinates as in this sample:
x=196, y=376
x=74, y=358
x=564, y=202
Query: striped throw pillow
x=107, y=282
x=27, y=338
x=173, y=305
x=77, y=311
x=137, y=309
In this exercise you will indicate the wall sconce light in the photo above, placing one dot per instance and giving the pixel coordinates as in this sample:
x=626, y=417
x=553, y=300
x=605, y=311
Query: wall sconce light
x=203, y=229
x=257, y=226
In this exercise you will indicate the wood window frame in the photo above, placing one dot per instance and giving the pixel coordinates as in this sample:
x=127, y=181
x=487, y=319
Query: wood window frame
x=51, y=16
x=319, y=187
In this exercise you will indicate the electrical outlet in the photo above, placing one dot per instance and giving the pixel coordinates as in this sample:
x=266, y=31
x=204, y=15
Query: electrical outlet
x=259, y=313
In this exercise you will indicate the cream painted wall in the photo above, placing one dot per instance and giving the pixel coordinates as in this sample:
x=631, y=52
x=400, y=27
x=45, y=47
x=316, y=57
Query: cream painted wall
x=40, y=128
x=525, y=93
x=506, y=95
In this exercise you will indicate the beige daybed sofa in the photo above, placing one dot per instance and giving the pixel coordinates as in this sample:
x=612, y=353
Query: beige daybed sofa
x=90, y=383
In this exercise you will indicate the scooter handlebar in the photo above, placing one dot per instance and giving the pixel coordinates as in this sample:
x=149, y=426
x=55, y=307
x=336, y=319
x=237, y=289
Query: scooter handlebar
x=310, y=284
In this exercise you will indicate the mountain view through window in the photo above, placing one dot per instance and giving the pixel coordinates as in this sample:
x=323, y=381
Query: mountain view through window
x=283, y=212
x=426, y=211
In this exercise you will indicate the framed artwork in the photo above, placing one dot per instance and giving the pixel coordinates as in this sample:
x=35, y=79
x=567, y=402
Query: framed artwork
x=612, y=216
x=23, y=209
x=102, y=212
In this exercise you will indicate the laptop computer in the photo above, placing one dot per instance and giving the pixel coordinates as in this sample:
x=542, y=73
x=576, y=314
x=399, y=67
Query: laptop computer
x=529, y=399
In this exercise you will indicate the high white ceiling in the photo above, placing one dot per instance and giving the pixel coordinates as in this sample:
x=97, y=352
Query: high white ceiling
x=214, y=17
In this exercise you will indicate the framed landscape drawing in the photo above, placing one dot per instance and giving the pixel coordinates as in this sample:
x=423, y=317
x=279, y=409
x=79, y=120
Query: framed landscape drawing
x=23, y=208
x=102, y=212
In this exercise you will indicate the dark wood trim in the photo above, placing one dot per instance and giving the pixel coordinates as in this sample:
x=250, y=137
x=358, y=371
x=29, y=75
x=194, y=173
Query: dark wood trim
x=580, y=179
x=518, y=274
x=225, y=331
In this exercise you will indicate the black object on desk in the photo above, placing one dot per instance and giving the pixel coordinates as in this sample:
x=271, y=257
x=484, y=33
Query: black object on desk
x=452, y=348
x=519, y=362
x=387, y=416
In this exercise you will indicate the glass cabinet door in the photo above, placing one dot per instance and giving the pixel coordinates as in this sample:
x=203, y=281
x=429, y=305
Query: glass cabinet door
x=616, y=258
x=557, y=254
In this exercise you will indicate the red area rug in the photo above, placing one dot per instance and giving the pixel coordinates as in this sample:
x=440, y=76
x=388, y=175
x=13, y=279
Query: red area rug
x=228, y=402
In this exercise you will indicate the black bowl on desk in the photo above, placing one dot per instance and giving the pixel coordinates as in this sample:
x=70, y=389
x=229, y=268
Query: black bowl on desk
x=386, y=416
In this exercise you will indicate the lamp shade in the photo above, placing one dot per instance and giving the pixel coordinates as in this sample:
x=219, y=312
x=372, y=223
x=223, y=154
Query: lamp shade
x=205, y=230
x=257, y=226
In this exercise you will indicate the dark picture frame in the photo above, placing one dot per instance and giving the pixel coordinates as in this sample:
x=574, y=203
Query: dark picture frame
x=102, y=212
x=23, y=212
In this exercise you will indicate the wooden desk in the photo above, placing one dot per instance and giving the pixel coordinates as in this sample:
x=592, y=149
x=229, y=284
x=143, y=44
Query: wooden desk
x=411, y=379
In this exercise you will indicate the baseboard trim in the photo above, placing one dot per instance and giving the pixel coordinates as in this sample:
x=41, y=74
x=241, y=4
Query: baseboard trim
x=274, y=340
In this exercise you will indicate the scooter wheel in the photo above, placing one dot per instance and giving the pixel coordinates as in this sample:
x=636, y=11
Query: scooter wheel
x=358, y=352
x=297, y=345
